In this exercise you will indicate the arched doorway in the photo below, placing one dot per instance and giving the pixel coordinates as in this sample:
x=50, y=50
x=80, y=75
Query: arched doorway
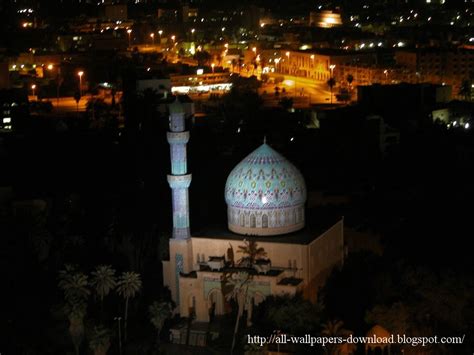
x=253, y=221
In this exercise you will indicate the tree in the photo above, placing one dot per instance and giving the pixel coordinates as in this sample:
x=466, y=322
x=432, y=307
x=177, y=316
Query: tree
x=74, y=285
x=103, y=281
x=331, y=83
x=252, y=251
x=286, y=103
x=237, y=289
x=350, y=79
x=159, y=312
x=290, y=314
x=202, y=57
x=99, y=340
x=129, y=284
x=395, y=318
x=466, y=90
x=76, y=311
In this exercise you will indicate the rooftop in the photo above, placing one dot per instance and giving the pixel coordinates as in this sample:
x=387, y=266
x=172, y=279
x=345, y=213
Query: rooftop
x=303, y=236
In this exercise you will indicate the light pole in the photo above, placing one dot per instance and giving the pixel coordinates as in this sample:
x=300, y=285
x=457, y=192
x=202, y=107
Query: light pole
x=332, y=66
x=58, y=84
x=80, y=74
x=277, y=60
x=288, y=56
x=33, y=87
x=160, y=32
x=118, y=319
x=212, y=66
x=152, y=35
x=129, y=32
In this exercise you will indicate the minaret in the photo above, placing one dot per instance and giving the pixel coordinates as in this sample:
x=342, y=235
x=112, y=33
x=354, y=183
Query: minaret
x=179, y=180
x=181, y=252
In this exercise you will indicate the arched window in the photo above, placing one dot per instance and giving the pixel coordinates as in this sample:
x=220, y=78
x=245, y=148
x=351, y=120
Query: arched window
x=264, y=221
x=252, y=221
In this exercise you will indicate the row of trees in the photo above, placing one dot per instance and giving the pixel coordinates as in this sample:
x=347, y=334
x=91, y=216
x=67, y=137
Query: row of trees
x=78, y=287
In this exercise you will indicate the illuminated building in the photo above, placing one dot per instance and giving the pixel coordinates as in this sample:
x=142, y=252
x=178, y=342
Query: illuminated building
x=265, y=196
x=13, y=108
x=449, y=66
x=325, y=19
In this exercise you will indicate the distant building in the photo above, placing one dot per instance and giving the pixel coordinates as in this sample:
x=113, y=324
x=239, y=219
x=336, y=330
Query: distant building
x=316, y=64
x=324, y=19
x=167, y=14
x=435, y=65
x=407, y=98
x=116, y=12
x=251, y=17
x=13, y=109
x=4, y=75
x=160, y=85
x=188, y=13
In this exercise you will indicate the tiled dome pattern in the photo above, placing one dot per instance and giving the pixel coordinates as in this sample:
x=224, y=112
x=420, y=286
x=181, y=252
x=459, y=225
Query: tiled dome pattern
x=265, y=180
x=265, y=195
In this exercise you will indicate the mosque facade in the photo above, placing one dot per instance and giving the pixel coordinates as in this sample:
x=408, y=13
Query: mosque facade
x=265, y=196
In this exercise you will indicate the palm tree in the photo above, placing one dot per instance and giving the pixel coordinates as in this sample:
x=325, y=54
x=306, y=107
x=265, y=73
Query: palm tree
x=74, y=285
x=159, y=312
x=331, y=82
x=239, y=291
x=350, y=79
x=128, y=285
x=103, y=281
x=99, y=340
x=252, y=251
x=76, y=311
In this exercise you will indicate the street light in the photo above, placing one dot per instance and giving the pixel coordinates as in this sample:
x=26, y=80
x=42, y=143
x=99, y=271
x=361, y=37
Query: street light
x=173, y=38
x=152, y=35
x=50, y=66
x=33, y=87
x=332, y=66
x=129, y=32
x=80, y=74
x=212, y=66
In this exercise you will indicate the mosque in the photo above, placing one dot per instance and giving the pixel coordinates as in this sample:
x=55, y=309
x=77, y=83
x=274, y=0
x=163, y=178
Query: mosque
x=265, y=196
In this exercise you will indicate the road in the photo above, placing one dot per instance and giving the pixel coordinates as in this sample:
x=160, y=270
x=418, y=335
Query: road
x=303, y=91
x=66, y=104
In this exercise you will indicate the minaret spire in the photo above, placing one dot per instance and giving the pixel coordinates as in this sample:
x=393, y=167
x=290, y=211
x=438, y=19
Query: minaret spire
x=179, y=179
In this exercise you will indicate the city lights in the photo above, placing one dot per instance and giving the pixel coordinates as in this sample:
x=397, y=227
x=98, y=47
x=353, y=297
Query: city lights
x=80, y=74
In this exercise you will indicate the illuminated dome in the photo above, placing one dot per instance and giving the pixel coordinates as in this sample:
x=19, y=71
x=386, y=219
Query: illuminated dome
x=265, y=195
